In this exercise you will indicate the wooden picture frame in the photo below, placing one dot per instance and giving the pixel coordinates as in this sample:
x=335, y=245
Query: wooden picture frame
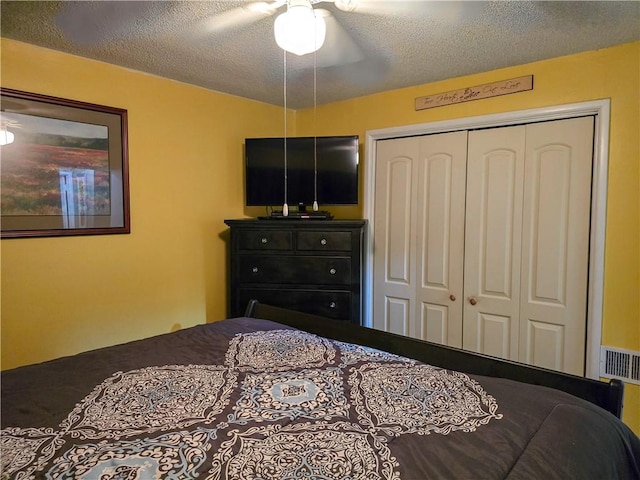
x=65, y=170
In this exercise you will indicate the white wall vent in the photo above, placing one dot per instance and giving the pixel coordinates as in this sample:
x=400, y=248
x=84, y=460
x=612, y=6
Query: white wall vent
x=618, y=363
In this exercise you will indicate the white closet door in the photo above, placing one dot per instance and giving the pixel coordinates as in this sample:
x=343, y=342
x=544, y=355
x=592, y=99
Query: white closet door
x=495, y=181
x=487, y=248
x=393, y=247
x=440, y=238
x=419, y=236
x=555, y=244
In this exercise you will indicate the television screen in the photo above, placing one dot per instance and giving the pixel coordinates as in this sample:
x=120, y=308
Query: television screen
x=333, y=173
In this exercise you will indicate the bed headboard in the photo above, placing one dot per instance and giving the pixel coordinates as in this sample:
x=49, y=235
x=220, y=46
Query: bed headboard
x=607, y=395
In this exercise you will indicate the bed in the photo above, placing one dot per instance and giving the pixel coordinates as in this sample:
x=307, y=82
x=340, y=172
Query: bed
x=281, y=395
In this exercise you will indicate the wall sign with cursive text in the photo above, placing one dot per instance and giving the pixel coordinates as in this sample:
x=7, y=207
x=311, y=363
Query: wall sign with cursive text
x=495, y=89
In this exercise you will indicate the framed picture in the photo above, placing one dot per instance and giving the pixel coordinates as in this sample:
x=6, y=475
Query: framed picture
x=63, y=167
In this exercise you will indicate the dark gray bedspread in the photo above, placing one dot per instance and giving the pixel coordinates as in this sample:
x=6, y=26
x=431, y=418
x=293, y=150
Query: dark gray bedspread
x=251, y=399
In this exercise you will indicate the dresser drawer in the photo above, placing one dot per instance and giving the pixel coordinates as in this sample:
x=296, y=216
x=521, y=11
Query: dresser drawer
x=265, y=240
x=287, y=269
x=334, y=304
x=319, y=241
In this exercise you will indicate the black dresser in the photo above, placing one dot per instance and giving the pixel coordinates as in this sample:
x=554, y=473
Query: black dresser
x=313, y=266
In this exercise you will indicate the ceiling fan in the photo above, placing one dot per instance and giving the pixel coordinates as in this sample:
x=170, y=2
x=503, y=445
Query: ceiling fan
x=98, y=22
x=300, y=18
x=253, y=11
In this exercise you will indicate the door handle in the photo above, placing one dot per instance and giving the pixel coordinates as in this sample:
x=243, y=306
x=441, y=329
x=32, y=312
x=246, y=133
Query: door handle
x=473, y=300
x=452, y=297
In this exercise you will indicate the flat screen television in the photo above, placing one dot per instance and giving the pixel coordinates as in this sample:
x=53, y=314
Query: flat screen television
x=333, y=174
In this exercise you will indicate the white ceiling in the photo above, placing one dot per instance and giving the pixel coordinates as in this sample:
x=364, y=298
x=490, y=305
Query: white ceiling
x=222, y=45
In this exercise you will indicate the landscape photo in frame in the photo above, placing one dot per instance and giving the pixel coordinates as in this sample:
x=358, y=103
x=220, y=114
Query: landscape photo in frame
x=64, y=171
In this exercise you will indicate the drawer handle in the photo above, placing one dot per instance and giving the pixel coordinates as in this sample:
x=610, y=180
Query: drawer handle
x=323, y=241
x=254, y=269
x=264, y=240
x=332, y=271
x=332, y=305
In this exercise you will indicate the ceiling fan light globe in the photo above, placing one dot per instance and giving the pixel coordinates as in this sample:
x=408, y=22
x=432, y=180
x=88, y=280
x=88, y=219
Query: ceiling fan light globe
x=300, y=30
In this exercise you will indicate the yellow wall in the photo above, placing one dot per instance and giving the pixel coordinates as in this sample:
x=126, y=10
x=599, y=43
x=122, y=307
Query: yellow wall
x=609, y=73
x=64, y=295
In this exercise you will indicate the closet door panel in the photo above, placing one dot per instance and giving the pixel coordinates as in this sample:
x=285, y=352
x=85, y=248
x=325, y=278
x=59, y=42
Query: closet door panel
x=494, y=336
x=555, y=243
x=440, y=237
x=495, y=181
x=394, y=249
x=396, y=315
x=434, y=323
x=545, y=344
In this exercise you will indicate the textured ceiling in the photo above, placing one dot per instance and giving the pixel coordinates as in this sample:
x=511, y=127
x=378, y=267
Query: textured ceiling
x=228, y=47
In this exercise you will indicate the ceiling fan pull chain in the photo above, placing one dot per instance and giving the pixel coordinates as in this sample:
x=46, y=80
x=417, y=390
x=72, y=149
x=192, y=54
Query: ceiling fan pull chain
x=285, y=207
x=315, y=129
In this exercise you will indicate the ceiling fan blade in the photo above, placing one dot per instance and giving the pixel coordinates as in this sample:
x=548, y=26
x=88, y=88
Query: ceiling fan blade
x=451, y=10
x=101, y=21
x=240, y=16
x=376, y=7
x=338, y=48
